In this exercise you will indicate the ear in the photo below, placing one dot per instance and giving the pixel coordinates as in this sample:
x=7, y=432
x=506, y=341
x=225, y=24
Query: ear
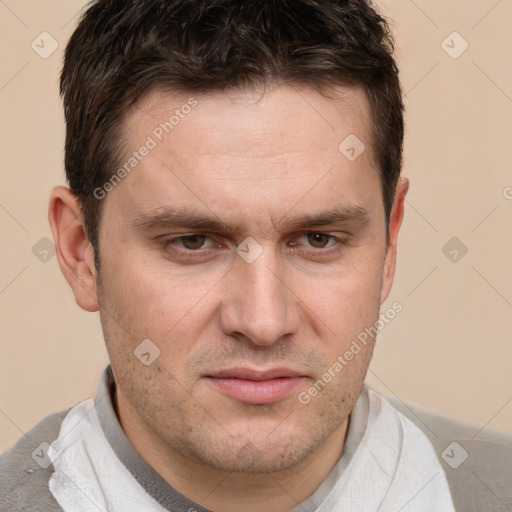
x=395, y=221
x=74, y=252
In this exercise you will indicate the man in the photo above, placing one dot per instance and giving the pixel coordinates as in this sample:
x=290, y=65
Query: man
x=234, y=206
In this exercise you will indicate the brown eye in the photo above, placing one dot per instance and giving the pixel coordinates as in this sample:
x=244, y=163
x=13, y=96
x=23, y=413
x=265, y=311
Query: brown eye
x=192, y=242
x=318, y=240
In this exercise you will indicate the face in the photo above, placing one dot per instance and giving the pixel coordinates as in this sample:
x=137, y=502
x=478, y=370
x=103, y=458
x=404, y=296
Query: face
x=251, y=252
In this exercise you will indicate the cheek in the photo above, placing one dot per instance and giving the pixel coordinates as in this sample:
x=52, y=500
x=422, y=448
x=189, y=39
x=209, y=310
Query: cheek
x=348, y=299
x=155, y=302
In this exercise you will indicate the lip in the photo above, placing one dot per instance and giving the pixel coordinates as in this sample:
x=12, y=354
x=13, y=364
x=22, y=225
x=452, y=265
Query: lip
x=255, y=386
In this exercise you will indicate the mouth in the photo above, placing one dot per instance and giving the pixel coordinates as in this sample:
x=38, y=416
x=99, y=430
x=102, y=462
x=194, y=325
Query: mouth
x=256, y=387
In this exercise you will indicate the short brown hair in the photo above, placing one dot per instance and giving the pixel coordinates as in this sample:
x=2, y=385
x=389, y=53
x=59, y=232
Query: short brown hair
x=122, y=49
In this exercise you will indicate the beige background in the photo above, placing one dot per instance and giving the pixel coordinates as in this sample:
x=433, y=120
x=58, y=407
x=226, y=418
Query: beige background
x=449, y=349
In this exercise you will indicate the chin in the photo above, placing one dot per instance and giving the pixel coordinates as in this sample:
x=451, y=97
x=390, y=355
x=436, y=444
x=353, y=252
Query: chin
x=256, y=453
x=251, y=460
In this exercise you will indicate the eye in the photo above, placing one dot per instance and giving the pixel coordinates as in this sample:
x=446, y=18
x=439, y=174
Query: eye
x=319, y=240
x=189, y=242
x=316, y=240
x=193, y=241
x=188, y=249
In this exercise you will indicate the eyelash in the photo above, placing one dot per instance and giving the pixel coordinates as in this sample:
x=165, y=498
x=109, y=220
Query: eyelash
x=336, y=245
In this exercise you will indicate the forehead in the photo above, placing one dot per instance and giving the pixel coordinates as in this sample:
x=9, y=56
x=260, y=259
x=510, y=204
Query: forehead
x=253, y=151
x=265, y=113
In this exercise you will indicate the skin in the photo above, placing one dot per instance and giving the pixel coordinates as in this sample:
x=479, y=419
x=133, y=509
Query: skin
x=254, y=161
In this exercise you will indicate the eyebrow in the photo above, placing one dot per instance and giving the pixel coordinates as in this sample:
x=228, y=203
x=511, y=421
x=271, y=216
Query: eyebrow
x=192, y=219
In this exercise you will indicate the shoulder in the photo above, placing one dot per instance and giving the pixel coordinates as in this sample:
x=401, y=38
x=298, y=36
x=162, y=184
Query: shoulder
x=477, y=461
x=25, y=469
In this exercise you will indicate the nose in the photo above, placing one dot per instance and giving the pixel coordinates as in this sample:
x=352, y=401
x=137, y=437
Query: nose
x=259, y=304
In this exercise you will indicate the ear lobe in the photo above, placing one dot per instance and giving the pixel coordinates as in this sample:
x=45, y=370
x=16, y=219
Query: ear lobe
x=74, y=251
x=395, y=221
